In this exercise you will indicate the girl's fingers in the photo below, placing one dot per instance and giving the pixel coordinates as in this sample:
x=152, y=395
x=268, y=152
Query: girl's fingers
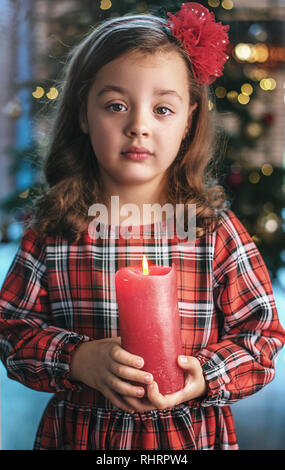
x=114, y=339
x=122, y=387
x=117, y=401
x=118, y=354
x=140, y=405
x=127, y=366
x=154, y=396
x=189, y=363
x=163, y=401
x=195, y=383
x=130, y=373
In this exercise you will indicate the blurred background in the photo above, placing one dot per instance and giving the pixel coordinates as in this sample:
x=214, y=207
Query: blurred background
x=35, y=37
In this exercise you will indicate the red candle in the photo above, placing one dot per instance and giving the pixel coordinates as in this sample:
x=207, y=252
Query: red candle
x=150, y=323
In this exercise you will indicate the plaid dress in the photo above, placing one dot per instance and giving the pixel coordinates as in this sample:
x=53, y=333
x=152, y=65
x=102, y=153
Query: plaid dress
x=58, y=294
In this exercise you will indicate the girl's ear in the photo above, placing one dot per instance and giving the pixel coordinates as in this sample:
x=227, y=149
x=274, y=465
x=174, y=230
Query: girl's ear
x=83, y=122
x=189, y=120
x=84, y=127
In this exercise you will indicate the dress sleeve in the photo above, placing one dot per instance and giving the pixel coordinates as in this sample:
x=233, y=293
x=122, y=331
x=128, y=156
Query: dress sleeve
x=34, y=352
x=243, y=361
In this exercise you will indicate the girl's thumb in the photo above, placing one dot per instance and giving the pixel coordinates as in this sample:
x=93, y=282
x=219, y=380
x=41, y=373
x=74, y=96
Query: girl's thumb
x=183, y=361
x=187, y=362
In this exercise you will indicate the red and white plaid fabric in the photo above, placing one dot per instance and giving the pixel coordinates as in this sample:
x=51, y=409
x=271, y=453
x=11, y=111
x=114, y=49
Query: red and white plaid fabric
x=57, y=294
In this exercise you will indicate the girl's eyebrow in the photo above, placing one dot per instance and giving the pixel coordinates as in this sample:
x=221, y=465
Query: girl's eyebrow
x=157, y=91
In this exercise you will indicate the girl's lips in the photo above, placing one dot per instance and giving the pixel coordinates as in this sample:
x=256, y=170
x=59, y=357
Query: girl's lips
x=136, y=156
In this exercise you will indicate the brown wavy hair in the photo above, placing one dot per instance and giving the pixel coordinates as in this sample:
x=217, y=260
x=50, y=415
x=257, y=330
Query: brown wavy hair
x=70, y=167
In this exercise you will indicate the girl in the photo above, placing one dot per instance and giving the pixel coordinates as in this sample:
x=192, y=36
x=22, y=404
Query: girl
x=134, y=122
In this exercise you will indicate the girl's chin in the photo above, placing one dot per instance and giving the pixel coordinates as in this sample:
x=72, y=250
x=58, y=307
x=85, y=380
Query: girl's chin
x=134, y=181
x=135, y=177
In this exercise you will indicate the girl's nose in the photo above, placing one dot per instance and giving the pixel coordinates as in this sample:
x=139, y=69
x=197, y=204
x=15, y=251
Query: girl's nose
x=138, y=131
x=137, y=125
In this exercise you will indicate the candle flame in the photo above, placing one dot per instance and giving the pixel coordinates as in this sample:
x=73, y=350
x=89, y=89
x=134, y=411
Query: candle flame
x=145, y=266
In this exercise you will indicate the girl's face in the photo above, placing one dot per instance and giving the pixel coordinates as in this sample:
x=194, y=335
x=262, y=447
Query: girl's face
x=140, y=101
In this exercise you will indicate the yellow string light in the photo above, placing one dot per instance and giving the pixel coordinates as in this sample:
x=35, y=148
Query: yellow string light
x=261, y=52
x=267, y=169
x=39, y=92
x=243, y=51
x=25, y=194
x=52, y=94
x=254, y=129
x=243, y=99
x=214, y=3
x=232, y=95
x=220, y=92
x=105, y=4
x=251, y=52
x=271, y=224
x=254, y=177
x=227, y=4
x=267, y=84
x=247, y=89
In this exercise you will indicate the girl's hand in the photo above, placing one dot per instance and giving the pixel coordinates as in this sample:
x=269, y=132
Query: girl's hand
x=195, y=386
x=107, y=367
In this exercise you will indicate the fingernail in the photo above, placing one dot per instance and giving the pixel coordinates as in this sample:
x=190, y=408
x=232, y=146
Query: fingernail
x=139, y=362
x=183, y=359
x=148, y=378
x=139, y=392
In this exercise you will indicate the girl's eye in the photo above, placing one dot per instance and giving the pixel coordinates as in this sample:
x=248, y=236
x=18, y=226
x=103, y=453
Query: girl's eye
x=114, y=105
x=164, y=107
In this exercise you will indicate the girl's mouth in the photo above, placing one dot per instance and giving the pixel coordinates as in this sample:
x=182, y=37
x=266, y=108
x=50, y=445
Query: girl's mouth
x=136, y=156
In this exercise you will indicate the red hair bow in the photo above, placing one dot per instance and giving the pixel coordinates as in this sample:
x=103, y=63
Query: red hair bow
x=204, y=39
